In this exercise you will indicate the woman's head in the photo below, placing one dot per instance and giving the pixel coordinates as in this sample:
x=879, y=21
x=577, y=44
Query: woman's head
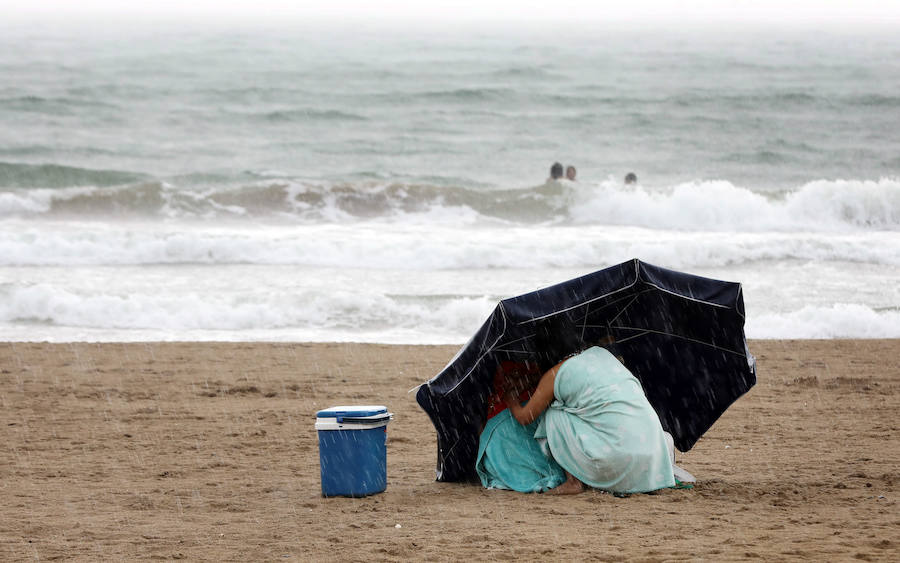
x=518, y=376
x=555, y=338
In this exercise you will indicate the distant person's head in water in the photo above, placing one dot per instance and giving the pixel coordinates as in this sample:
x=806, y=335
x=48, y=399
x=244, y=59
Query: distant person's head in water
x=570, y=173
x=556, y=171
x=630, y=178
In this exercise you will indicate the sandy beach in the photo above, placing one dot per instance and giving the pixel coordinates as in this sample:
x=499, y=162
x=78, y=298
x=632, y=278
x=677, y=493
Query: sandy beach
x=207, y=451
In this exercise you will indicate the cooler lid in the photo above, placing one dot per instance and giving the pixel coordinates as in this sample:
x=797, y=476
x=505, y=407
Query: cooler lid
x=358, y=411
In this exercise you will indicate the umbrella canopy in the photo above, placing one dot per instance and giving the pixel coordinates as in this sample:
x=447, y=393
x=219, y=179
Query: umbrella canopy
x=681, y=335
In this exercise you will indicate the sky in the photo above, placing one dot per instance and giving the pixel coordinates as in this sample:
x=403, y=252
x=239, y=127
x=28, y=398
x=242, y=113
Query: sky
x=780, y=12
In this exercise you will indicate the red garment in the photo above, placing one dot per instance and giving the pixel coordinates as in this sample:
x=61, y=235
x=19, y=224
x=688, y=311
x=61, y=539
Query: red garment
x=496, y=404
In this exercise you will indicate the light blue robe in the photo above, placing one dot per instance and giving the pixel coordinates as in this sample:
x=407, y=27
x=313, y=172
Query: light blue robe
x=510, y=458
x=601, y=428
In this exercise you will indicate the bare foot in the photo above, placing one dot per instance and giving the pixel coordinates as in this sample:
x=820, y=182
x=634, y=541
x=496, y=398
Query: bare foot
x=572, y=486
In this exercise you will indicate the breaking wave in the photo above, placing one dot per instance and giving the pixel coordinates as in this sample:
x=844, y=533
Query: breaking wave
x=329, y=315
x=718, y=205
x=840, y=320
x=424, y=246
x=822, y=205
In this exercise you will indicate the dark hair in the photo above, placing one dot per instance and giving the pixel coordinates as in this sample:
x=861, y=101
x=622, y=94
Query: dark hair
x=630, y=178
x=555, y=338
x=556, y=171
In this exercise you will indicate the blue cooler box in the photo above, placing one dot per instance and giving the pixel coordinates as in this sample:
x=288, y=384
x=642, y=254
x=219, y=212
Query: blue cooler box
x=353, y=450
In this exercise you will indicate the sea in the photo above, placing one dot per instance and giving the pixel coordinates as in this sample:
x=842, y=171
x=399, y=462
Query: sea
x=365, y=183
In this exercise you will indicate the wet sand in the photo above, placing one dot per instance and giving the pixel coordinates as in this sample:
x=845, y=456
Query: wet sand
x=208, y=452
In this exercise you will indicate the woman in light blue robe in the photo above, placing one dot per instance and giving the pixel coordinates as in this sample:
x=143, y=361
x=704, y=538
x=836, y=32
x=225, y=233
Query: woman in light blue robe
x=599, y=425
x=593, y=420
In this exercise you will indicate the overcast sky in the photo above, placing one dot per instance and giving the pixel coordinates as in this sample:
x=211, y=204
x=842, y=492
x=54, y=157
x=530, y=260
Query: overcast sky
x=800, y=12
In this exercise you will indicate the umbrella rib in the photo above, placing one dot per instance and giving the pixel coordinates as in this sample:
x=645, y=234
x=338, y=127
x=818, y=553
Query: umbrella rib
x=637, y=278
x=689, y=298
x=448, y=452
x=481, y=357
x=513, y=342
x=584, y=321
x=625, y=308
x=694, y=340
x=654, y=286
x=582, y=304
x=510, y=351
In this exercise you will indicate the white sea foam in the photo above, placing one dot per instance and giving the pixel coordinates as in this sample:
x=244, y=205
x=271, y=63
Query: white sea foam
x=333, y=313
x=820, y=206
x=46, y=310
x=823, y=206
x=840, y=320
x=422, y=246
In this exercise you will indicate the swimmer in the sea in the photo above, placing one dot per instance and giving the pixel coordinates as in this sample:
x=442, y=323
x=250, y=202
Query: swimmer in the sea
x=556, y=172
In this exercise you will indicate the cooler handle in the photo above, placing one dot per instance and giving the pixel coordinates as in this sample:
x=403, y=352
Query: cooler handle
x=355, y=420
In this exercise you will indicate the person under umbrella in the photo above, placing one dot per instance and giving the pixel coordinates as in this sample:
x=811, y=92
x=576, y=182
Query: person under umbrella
x=591, y=413
x=680, y=335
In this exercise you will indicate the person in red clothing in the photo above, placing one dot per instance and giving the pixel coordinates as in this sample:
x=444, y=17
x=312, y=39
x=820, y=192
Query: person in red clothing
x=508, y=455
x=520, y=377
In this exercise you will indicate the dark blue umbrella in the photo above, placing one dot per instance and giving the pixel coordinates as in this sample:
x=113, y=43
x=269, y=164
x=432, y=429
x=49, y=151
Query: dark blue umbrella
x=681, y=335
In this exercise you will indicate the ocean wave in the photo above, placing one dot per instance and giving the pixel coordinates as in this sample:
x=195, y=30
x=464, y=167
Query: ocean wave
x=42, y=311
x=840, y=320
x=16, y=175
x=49, y=151
x=755, y=100
x=481, y=94
x=253, y=95
x=751, y=100
x=877, y=100
x=794, y=146
x=525, y=72
x=434, y=243
x=305, y=115
x=853, y=202
x=767, y=157
x=102, y=197
x=111, y=90
x=325, y=310
x=52, y=106
x=819, y=206
x=586, y=100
